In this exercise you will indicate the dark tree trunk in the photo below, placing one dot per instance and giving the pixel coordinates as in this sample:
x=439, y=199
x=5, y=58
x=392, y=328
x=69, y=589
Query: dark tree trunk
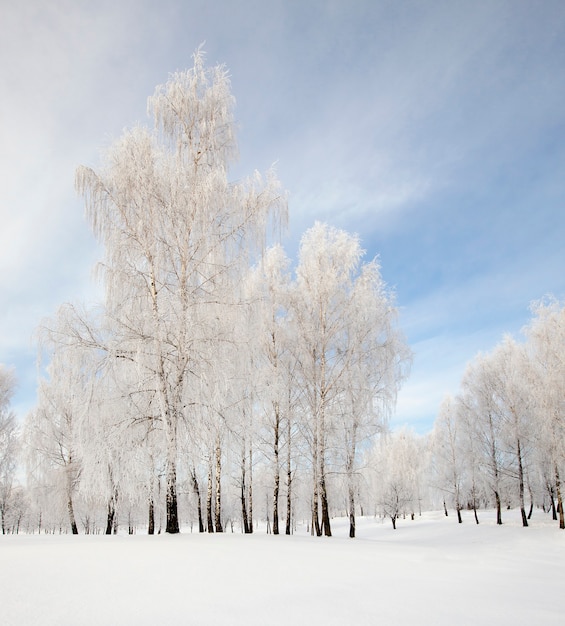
x=325, y=507
x=288, y=527
x=72, y=520
x=172, y=504
x=250, y=487
x=198, y=500
x=552, y=501
x=498, y=508
x=351, y=508
x=209, y=499
x=393, y=520
x=445, y=509
x=521, y=482
x=459, y=518
x=277, y=476
x=243, y=496
x=110, y=516
x=559, y=498
x=151, y=522
x=218, y=511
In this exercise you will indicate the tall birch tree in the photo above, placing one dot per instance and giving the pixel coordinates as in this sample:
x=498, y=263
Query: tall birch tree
x=176, y=236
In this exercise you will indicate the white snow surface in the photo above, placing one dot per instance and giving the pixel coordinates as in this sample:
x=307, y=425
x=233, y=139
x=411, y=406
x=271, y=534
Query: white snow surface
x=430, y=571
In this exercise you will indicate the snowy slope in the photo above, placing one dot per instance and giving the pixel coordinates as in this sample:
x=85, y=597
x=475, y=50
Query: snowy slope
x=430, y=571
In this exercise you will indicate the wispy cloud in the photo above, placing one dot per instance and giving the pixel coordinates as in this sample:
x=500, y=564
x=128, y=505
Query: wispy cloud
x=434, y=130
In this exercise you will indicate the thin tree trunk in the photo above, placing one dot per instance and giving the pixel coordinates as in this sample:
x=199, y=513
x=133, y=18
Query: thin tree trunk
x=250, y=487
x=209, y=497
x=325, y=507
x=288, y=480
x=218, y=511
x=559, y=498
x=71, y=511
x=552, y=501
x=277, y=476
x=498, y=508
x=151, y=521
x=244, y=516
x=494, y=463
x=351, y=489
x=521, y=482
x=315, y=527
x=198, y=500
x=172, y=504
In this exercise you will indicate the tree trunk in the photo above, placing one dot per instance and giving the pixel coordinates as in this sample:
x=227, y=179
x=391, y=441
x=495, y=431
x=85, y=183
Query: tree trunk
x=110, y=516
x=71, y=511
x=552, y=501
x=198, y=500
x=288, y=482
x=521, y=482
x=325, y=507
x=250, y=487
x=351, y=506
x=172, y=504
x=393, y=520
x=315, y=526
x=218, y=511
x=209, y=497
x=559, y=498
x=245, y=519
x=498, y=508
x=459, y=518
x=151, y=522
x=276, y=472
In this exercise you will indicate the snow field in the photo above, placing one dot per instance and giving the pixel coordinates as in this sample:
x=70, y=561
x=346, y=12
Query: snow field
x=430, y=571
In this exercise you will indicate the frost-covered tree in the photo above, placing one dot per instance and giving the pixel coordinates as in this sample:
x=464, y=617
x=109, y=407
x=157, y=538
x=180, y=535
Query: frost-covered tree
x=273, y=362
x=478, y=397
x=52, y=431
x=8, y=444
x=351, y=359
x=546, y=348
x=447, y=453
x=514, y=406
x=395, y=463
x=177, y=235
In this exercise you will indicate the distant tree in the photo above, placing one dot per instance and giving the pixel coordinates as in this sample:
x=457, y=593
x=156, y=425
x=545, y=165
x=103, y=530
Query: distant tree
x=51, y=431
x=546, y=346
x=514, y=404
x=394, y=464
x=8, y=444
x=447, y=453
x=478, y=396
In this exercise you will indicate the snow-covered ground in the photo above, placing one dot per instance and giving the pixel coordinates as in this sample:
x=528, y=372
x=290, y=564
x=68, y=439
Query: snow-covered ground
x=431, y=571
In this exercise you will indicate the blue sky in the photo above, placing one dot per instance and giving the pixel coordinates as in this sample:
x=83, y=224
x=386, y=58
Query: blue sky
x=433, y=129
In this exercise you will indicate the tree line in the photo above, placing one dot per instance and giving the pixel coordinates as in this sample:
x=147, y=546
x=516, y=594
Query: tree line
x=209, y=364
x=217, y=385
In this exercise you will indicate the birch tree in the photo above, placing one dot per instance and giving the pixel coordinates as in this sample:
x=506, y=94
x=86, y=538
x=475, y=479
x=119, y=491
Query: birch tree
x=546, y=346
x=176, y=235
x=351, y=358
x=448, y=453
x=8, y=443
x=269, y=287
